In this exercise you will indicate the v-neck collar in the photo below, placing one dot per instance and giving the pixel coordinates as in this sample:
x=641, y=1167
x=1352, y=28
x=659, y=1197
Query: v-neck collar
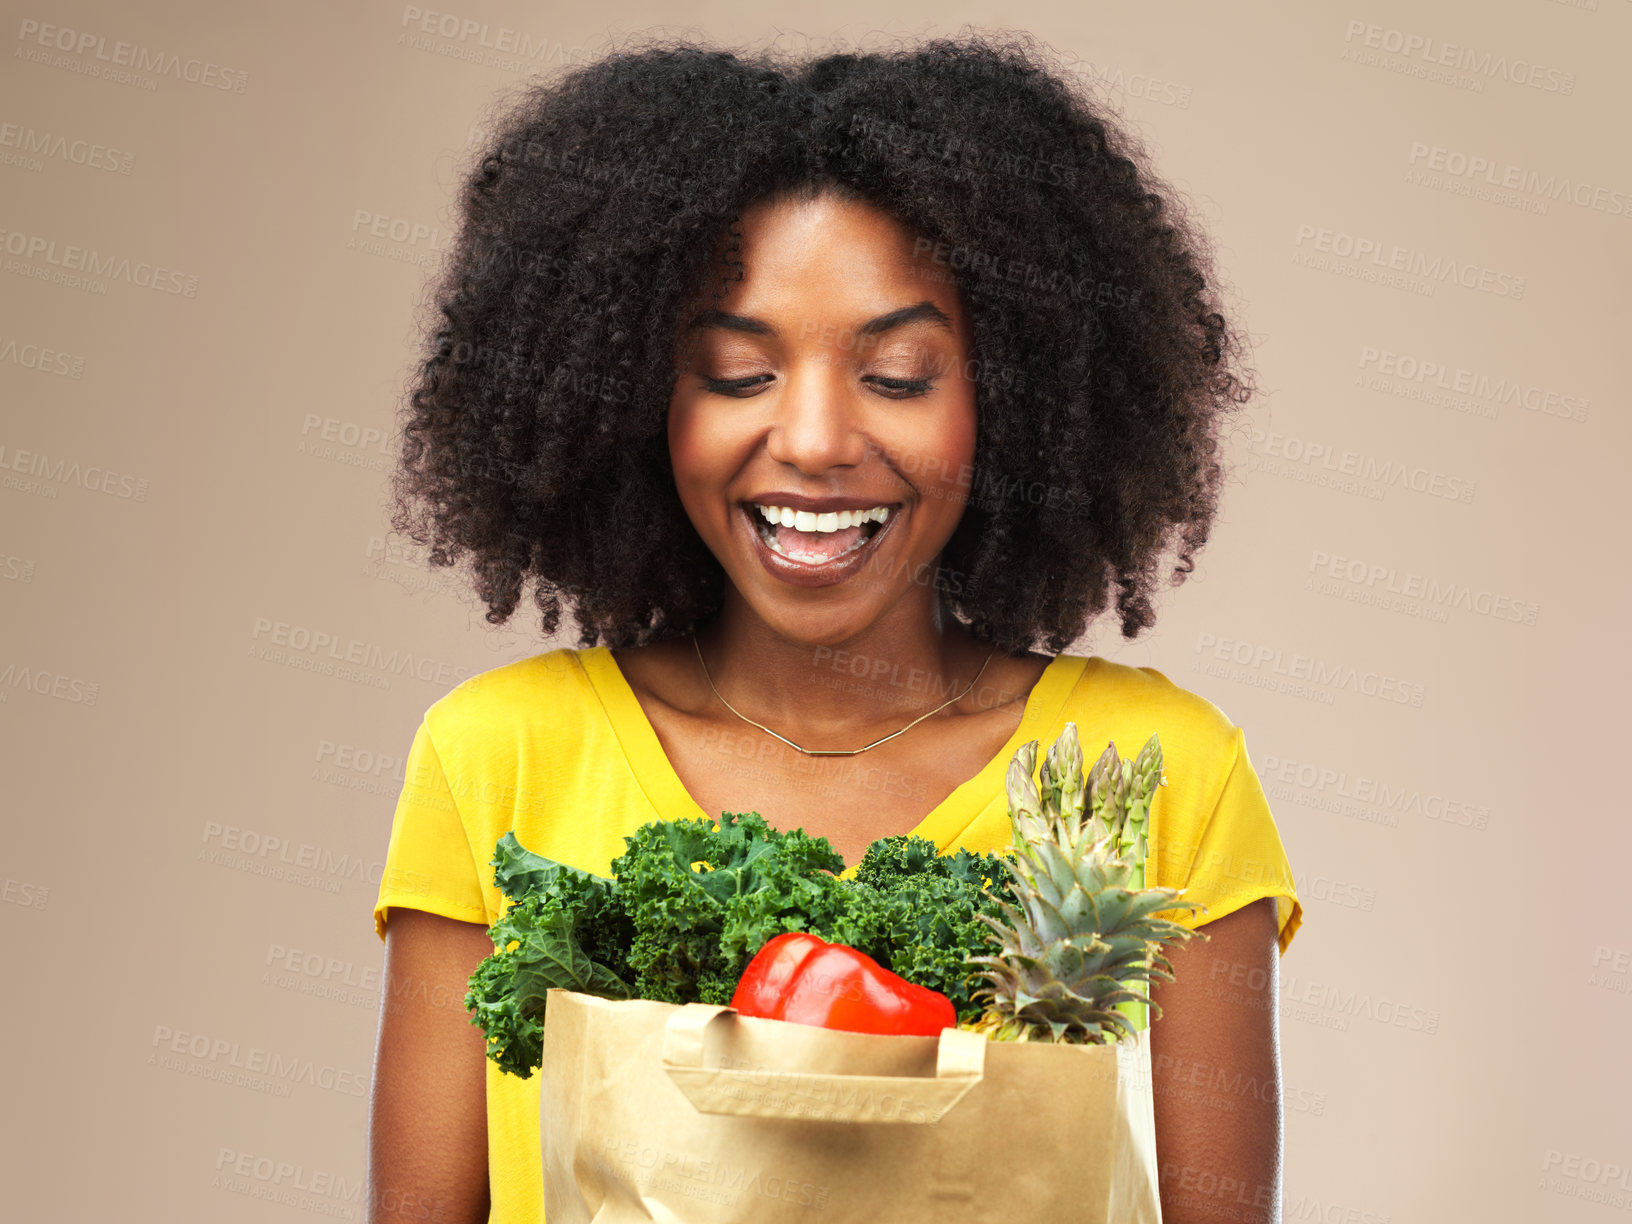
x=656, y=775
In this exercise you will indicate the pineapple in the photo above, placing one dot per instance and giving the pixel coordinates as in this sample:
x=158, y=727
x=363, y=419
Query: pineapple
x=1082, y=938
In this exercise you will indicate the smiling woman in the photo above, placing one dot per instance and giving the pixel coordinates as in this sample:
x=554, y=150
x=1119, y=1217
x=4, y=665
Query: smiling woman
x=805, y=401
x=835, y=399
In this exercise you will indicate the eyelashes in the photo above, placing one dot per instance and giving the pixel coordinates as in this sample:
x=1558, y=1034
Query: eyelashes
x=729, y=386
x=887, y=388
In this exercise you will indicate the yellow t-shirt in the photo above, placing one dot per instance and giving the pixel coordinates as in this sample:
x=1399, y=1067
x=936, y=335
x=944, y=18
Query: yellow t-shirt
x=557, y=749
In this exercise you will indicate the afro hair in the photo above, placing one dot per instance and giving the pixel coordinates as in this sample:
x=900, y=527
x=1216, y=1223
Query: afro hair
x=534, y=442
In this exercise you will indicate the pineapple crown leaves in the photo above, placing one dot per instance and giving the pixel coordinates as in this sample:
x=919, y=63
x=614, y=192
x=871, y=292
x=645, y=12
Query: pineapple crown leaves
x=1083, y=920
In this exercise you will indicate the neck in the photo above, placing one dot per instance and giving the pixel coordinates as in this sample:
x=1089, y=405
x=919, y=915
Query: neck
x=831, y=690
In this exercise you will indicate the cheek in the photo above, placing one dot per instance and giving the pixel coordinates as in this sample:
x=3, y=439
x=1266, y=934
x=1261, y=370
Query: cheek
x=950, y=455
x=701, y=458
x=963, y=436
x=688, y=441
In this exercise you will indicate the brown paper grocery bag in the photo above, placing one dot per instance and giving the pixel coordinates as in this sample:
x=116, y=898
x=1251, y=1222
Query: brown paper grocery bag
x=652, y=1111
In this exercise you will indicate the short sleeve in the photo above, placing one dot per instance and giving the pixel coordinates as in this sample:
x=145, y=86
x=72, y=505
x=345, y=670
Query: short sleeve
x=428, y=864
x=1239, y=858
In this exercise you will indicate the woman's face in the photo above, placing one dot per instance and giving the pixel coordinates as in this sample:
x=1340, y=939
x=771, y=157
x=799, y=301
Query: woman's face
x=830, y=387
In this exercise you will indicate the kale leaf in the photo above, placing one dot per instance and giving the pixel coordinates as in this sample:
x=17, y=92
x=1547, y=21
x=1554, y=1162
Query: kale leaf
x=925, y=924
x=692, y=901
x=566, y=928
x=705, y=896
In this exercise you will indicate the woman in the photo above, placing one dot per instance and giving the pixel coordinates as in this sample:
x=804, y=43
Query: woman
x=834, y=399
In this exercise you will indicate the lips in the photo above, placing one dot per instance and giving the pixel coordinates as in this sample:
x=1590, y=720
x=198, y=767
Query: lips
x=804, y=573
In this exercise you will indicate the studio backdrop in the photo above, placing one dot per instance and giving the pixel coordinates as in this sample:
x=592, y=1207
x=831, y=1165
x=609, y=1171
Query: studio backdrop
x=218, y=228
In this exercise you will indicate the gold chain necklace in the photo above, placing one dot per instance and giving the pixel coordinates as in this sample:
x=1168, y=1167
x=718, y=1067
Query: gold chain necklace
x=833, y=751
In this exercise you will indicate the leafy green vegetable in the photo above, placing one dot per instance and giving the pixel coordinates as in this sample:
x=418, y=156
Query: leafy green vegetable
x=925, y=924
x=692, y=901
x=890, y=861
x=696, y=930
x=567, y=928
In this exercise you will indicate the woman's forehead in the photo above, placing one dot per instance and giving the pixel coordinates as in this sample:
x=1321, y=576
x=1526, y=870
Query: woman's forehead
x=831, y=261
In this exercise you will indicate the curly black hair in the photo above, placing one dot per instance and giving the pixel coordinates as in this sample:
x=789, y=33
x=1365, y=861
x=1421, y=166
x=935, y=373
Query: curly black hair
x=535, y=434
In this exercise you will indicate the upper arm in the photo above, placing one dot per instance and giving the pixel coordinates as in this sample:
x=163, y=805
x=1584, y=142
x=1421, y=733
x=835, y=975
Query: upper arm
x=427, y=1129
x=1215, y=1069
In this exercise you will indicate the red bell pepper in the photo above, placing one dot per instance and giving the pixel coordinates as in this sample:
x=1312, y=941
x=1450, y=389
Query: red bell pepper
x=802, y=978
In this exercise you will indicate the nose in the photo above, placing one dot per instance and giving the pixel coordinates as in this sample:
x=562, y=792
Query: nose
x=818, y=422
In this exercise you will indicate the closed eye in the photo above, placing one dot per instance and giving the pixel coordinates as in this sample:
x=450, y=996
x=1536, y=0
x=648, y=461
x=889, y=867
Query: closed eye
x=888, y=388
x=902, y=388
x=730, y=386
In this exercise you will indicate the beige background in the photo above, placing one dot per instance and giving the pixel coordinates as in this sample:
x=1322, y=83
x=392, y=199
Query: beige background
x=193, y=483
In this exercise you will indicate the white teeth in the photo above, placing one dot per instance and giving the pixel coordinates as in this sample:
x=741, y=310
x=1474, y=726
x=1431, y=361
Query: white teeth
x=805, y=520
x=811, y=558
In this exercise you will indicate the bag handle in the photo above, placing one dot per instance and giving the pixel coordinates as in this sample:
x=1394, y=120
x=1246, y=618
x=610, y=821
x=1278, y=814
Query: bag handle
x=960, y=1060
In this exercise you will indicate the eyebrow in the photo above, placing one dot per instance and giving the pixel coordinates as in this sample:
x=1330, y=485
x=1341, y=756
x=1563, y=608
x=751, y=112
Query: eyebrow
x=918, y=312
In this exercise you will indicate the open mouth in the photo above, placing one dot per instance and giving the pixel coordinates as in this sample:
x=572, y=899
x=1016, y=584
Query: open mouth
x=821, y=542
x=814, y=547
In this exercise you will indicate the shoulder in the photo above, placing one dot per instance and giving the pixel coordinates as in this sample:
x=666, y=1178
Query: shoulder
x=495, y=701
x=1148, y=694
x=1125, y=705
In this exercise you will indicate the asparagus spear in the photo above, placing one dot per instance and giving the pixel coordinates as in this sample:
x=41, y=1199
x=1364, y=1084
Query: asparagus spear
x=1119, y=794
